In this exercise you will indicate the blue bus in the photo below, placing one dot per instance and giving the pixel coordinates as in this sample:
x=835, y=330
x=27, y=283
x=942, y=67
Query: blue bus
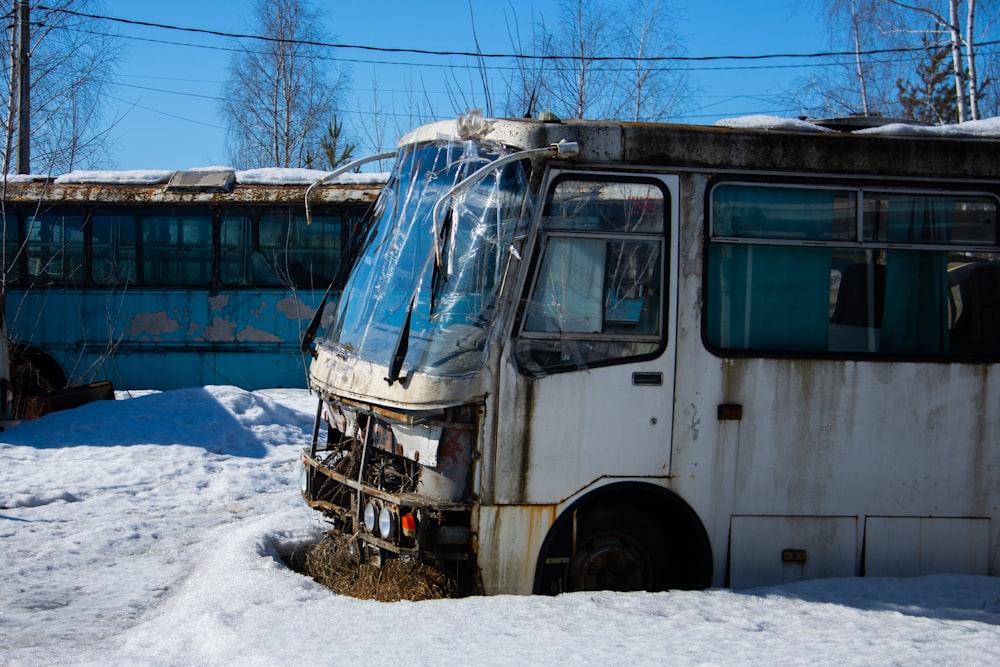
x=162, y=280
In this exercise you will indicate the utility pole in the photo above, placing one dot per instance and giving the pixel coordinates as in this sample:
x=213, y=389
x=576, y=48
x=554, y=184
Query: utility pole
x=22, y=12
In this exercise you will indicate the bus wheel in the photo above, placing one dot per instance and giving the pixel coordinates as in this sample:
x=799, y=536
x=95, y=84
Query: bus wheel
x=618, y=551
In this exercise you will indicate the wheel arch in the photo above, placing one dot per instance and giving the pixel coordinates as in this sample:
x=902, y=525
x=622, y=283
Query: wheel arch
x=35, y=369
x=675, y=517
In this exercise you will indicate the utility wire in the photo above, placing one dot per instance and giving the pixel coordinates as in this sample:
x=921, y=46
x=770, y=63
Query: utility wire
x=916, y=51
x=475, y=54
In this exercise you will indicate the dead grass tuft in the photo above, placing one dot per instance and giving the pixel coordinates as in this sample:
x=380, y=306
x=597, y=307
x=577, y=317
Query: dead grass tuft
x=333, y=563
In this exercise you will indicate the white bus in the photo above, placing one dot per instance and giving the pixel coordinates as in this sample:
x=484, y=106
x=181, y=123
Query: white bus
x=600, y=355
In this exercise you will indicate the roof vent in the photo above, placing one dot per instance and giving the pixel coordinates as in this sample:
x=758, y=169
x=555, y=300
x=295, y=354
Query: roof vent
x=202, y=181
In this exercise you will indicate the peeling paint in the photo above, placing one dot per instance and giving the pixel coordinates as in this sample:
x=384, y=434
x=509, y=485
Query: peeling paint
x=220, y=330
x=154, y=323
x=250, y=334
x=218, y=302
x=294, y=309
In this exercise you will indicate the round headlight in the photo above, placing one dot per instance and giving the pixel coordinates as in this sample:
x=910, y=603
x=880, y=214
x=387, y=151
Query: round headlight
x=386, y=521
x=370, y=516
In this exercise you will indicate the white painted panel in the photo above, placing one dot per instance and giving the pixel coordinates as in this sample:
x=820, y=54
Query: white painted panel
x=757, y=545
x=914, y=546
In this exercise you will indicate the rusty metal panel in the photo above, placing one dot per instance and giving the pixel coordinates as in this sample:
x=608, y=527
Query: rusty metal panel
x=510, y=539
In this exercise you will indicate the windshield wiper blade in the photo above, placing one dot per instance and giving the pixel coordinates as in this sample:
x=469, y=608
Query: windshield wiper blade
x=402, y=346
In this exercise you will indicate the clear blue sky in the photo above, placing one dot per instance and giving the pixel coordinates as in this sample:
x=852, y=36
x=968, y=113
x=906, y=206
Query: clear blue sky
x=171, y=81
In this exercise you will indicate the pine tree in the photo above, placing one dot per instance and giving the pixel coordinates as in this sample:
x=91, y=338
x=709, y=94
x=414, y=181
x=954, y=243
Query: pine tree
x=932, y=97
x=332, y=142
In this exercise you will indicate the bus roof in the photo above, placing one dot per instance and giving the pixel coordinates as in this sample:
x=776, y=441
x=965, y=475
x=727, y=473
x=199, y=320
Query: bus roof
x=198, y=185
x=967, y=150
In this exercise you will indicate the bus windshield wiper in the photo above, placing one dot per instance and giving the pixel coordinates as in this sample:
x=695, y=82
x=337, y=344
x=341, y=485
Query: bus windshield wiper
x=402, y=345
x=563, y=148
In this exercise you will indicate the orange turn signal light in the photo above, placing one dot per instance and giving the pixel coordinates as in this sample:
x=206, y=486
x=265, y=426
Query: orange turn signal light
x=408, y=523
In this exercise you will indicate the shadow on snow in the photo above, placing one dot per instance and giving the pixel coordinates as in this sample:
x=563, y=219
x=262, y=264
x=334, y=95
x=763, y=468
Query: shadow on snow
x=220, y=422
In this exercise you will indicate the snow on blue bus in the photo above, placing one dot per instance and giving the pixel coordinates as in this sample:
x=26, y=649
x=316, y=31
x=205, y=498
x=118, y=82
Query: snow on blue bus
x=161, y=280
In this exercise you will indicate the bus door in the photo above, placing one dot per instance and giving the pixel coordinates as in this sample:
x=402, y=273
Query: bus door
x=592, y=377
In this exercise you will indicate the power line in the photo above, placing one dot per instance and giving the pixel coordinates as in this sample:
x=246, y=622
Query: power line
x=917, y=51
x=517, y=56
x=132, y=103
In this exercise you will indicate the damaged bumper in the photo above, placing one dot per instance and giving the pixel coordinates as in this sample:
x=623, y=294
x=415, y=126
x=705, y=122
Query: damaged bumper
x=399, y=483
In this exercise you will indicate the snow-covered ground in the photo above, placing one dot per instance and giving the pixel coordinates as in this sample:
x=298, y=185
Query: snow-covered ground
x=148, y=531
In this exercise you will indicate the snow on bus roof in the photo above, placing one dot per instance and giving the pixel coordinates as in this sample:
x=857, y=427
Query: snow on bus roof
x=267, y=176
x=279, y=176
x=989, y=127
x=132, y=176
x=761, y=122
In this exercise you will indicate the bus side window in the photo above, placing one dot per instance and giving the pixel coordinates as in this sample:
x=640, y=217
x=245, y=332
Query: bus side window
x=917, y=277
x=55, y=247
x=113, y=247
x=596, y=296
x=177, y=248
x=233, y=251
x=296, y=254
x=975, y=308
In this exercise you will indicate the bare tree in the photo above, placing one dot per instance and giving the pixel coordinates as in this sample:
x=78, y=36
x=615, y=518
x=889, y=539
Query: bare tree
x=281, y=89
x=600, y=62
x=524, y=88
x=578, y=84
x=862, y=83
x=72, y=63
x=891, y=44
x=652, y=89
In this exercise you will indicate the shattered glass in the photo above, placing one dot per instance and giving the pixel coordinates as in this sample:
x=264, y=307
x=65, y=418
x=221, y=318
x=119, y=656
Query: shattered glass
x=425, y=287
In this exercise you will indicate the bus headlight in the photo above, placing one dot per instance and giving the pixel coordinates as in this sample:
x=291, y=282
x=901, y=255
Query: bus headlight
x=386, y=521
x=370, y=517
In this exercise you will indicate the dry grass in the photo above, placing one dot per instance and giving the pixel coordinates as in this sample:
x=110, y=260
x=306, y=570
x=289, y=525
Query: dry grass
x=333, y=563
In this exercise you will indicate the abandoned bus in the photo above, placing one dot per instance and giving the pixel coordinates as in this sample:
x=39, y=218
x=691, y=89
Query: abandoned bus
x=601, y=355
x=160, y=280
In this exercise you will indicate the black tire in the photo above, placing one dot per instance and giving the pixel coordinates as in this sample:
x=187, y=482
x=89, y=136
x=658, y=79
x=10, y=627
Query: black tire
x=628, y=536
x=619, y=549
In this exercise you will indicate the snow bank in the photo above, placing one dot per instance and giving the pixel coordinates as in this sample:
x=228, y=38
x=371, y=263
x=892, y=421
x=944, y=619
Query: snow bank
x=149, y=530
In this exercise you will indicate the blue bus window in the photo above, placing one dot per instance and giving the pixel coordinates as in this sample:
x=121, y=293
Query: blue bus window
x=297, y=254
x=177, y=249
x=233, y=268
x=55, y=247
x=113, y=248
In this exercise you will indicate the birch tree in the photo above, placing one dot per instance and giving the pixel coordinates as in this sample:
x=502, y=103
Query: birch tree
x=946, y=20
x=578, y=85
x=281, y=90
x=652, y=88
x=602, y=62
x=891, y=43
x=859, y=83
